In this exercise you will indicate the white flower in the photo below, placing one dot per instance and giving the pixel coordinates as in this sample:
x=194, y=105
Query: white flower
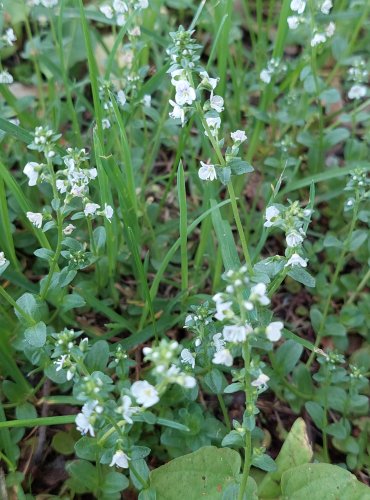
x=91, y=173
x=144, y=393
x=326, y=6
x=147, y=100
x=35, y=218
x=207, y=172
x=31, y=170
x=217, y=103
x=120, y=6
x=317, y=39
x=238, y=136
x=9, y=36
x=218, y=341
x=185, y=94
x=189, y=382
x=296, y=260
x=330, y=29
x=265, y=76
x=83, y=419
x=3, y=260
x=108, y=212
x=273, y=331
x=69, y=229
x=293, y=22
x=127, y=410
x=206, y=80
x=59, y=363
x=49, y=3
x=177, y=113
x=61, y=186
x=271, y=214
x=262, y=379
x=121, y=98
x=105, y=123
x=142, y=4
x=214, y=123
x=223, y=357
x=223, y=310
x=236, y=333
x=107, y=11
x=258, y=294
x=187, y=357
x=91, y=208
x=5, y=77
x=120, y=459
x=293, y=239
x=357, y=92
x=298, y=6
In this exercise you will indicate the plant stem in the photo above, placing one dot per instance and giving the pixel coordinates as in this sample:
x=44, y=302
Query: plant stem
x=224, y=412
x=248, y=434
x=11, y=301
x=338, y=268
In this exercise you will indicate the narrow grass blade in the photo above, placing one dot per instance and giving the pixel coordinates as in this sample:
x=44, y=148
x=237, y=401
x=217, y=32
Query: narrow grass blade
x=181, y=192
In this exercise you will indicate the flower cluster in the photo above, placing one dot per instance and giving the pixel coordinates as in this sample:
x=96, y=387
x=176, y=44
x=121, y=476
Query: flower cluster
x=8, y=38
x=292, y=221
x=359, y=187
x=304, y=16
x=119, y=10
x=358, y=76
x=274, y=68
x=106, y=90
x=44, y=3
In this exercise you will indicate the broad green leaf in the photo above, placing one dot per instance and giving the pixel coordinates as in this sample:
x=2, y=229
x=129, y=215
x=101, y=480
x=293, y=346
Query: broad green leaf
x=97, y=358
x=36, y=334
x=204, y=474
x=302, y=276
x=287, y=356
x=63, y=443
x=322, y=481
x=296, y=450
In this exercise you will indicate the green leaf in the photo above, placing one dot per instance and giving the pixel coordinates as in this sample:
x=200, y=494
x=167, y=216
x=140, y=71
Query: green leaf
x=32, y=307
x=83, y=474
x=114, y=482
x=264, y=462
x=207, y=472
x=316, y=412
x=335, y=137
x=296, y=450
x=234, y=387
x=86, y=448
x=287, y=356
x=233, y=438
x=232, y=491
x=319, y=481
x=223, y=174
x=63, y=443
x=97, y=358
x=72, y=301
x=215, y=381
x=36, y=335
x=302, y=276
x=25, y=410
x=358, y=238
x=239, y=167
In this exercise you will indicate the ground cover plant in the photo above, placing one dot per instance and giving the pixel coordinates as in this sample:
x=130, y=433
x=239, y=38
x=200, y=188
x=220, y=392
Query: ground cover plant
x=184, y=251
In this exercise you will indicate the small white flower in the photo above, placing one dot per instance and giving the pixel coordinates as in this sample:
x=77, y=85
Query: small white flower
x=120, y=459
x=31, y=170
x=236, y=333
x=207, y=172
x=273, y=331
x=177, y=113
x=189, y=382
x=317, y=39
x=3, y=260
x=238, y=136
x=35, y=218
x=105, y=123
x=69, y=229
x=5, y=77
x=107, y=11
x=120, y=6
x=271, y=215
x=262, y=379
x=144, y=393
x=298, y=6
x=187, y=357
x=127, y=409
x=147, y=100
x=185, y=94
x=9, y=36
x=223, y=357
x=108, y=212
x=206, y=80
x=265, y=76
x=218, y=341
x=217, y=103
x=224, y=310
x=326, y=7
x=121, y=98
x=83, y=419
x=142, y=4
x=293, y=239
x=293, y=22
x=357, y=92
x=49, y=3
x=330, y=29
x=91, y=208
x=214, y=123
x=59, y=363
x=258, y=294
x=296, y=260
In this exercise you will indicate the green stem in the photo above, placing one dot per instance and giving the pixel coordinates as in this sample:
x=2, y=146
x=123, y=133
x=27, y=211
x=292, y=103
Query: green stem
x=362, y=284
x=11, y=301
x=248, y=434
x=224, y=412
x=338, y=268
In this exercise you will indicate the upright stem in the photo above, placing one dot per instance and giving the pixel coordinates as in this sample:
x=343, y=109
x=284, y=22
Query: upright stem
x=248, y=434
x=337, y=271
